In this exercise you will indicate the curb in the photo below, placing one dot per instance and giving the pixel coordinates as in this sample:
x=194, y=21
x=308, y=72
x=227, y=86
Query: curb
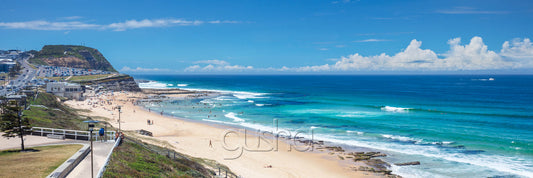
x=64, y=169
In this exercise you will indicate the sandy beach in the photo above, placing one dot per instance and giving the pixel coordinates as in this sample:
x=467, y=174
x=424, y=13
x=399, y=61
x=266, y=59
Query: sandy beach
x=206, y=141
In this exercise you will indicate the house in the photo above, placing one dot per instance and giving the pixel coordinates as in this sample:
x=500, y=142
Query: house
x=6, y=64
x=64, y=89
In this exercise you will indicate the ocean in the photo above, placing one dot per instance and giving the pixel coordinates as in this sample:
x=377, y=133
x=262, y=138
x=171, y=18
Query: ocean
x=455, y=125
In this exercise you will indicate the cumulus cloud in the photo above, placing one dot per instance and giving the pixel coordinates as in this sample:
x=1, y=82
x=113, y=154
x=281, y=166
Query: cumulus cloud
x=216, y=66
x=215, y=62
x=472, y=56
x=117, y=26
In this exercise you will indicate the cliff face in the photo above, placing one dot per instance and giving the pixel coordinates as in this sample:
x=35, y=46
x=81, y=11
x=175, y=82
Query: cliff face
x=72, y=56
x=117, y=83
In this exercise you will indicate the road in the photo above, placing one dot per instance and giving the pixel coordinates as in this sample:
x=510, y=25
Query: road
x=27, y=75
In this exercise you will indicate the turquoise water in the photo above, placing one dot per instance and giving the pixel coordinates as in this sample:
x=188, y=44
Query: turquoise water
x=456, y=126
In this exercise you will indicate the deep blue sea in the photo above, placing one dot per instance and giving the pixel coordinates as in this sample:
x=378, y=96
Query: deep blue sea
x=455, y=125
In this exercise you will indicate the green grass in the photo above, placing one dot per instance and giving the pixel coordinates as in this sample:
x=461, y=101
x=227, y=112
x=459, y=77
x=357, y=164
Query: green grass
x=133, y=160
x=57, y=51
x=55, y=114
x=88, y=77
x=37, y=61
x=39, y=163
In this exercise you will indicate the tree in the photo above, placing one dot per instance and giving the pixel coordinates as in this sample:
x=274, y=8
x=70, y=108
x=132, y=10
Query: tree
x=13, y=71
x=11, y=122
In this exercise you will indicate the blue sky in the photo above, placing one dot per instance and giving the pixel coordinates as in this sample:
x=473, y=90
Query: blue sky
x=336, y=36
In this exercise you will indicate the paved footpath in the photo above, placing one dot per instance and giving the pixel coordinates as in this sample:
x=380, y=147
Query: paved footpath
x=29, y=141
x=83, y=170
x=101, y=150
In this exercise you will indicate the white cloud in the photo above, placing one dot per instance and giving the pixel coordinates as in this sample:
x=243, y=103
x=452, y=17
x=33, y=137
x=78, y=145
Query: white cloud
x=371, y=40
x=518, y=49
x=45, y=25
x=215, y=62
x=323, y=49
x=118, y=26
x=216, y=66
x=71, y=17
x=519, y=52
x=472, y=56
x=140, y=69
x=192, y=68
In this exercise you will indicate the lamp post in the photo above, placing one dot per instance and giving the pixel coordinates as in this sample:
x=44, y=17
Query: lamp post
x=91, y=126
x=105, y=134
x=119, y=108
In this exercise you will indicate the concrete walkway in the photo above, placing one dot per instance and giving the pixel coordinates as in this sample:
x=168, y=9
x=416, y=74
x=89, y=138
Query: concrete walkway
x=29, y=141
x=101, y=150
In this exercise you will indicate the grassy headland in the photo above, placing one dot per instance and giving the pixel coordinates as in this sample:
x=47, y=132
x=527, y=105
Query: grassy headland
x=72, y=56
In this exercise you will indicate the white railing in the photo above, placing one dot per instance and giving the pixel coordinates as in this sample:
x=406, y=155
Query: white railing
x=73, y=134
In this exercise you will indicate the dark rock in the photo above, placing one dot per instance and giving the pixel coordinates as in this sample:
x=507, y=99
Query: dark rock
x=408, y=163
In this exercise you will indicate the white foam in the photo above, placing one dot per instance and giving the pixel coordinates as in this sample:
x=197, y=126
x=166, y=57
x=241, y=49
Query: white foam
x=247, y=95
x=394, y=109
x=170, y=85
x=512, y=165
x=484, y=79
x=182, y=85
x=223, y=98
x=233, y=116
x=356, y=114
x=357, y=132
x=217, y=121
x=238, y=94
x=250, y=101
x=401, y=138
x=259, y=105
x=153, y=84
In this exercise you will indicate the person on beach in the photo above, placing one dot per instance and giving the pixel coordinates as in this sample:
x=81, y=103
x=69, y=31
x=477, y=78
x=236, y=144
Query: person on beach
x=210, y=144
x=148, y=121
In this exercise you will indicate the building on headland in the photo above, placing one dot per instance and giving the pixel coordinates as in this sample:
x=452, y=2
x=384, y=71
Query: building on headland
x=64, y=89
x=19, y=99
x=6, y=64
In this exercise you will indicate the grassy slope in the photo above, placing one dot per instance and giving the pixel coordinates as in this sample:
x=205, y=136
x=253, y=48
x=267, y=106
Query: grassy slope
x=55, y=115
x=89, y=77
x=132, y=160
x=35, y=164
x=57, y=51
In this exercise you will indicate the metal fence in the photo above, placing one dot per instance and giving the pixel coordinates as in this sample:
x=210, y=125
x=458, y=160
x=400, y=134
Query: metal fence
x=71, y=134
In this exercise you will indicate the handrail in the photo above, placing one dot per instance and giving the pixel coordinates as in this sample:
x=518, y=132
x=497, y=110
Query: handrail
x=43, y=130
